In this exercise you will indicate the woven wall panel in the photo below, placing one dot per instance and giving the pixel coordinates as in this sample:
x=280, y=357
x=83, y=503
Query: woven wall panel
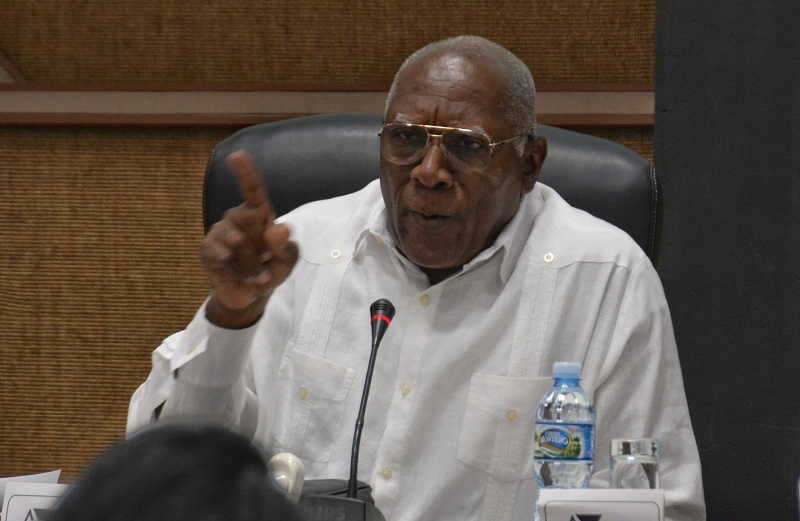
x=99, y=230
x=317, y=44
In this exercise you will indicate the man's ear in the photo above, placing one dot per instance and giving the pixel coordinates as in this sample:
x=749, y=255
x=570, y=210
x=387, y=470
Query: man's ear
x=535, y=154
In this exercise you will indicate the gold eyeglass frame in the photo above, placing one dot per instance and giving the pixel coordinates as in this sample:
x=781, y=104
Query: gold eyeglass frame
x=442, y=130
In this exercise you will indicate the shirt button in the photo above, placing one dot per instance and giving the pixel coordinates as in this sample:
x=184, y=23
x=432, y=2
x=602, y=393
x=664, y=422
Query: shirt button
x=424, y=300
x=512, y=415
x=303, y=393
x=335, y=253
x=386, y=473
x=549, y=257
x=405, y=390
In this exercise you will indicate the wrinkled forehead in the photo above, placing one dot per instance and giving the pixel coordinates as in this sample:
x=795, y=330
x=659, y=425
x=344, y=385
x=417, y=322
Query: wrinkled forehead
x=466, y=85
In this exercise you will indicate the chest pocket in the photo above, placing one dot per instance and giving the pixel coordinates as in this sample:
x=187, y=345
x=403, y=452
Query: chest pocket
x=498, y=426
x=310, y=415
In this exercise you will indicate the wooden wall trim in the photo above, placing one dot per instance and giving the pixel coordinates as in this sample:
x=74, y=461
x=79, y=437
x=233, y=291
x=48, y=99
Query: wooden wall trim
x=236, y=108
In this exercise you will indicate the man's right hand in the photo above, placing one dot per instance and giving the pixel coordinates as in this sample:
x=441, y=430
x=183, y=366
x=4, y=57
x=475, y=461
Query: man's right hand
x=245, y=255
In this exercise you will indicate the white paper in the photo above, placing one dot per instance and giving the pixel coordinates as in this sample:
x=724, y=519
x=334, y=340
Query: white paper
x=44, y=477
x=22, y=500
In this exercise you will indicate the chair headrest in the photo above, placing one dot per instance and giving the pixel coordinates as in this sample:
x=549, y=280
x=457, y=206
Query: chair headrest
x=318, y=157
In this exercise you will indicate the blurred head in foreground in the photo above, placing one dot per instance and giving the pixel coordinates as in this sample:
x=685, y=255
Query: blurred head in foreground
x=177, y=472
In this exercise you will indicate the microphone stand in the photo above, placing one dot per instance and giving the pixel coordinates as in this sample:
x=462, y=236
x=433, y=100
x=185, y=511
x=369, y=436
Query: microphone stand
x=352, y=483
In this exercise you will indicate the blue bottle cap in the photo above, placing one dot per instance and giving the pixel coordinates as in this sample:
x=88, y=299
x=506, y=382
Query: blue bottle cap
x=567, y=370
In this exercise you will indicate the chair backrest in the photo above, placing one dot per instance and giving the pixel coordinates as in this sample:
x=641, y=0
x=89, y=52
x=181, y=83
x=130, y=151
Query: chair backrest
x=317, y=157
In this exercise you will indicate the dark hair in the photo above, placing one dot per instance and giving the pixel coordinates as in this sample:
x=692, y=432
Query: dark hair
x=177, y=472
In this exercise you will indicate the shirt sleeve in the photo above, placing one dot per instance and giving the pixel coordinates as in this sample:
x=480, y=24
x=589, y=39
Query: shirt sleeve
x=198, y=372
x=641, y=395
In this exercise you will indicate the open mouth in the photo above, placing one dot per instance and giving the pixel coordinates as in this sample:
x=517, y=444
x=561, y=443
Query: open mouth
x=430, y=221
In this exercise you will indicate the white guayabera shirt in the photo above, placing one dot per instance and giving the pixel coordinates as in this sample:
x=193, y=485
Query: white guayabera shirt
x=450, y=421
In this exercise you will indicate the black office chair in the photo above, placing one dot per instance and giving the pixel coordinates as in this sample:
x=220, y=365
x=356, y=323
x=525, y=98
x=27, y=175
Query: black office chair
x=317, y=157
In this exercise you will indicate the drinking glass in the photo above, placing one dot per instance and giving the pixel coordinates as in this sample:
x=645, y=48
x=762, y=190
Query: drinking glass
x=634, y=463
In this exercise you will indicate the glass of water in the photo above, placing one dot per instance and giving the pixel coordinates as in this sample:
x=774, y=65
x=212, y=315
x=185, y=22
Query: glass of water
x=634, y=463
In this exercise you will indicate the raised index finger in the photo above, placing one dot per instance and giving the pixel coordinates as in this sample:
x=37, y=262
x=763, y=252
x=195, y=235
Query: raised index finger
x=253, y=190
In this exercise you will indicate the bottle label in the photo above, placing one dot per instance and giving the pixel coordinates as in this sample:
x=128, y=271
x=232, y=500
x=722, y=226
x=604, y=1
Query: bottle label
x=559, y=441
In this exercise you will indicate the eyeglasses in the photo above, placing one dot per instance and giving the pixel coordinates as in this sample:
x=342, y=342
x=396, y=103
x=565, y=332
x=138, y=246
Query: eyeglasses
x=406, y=143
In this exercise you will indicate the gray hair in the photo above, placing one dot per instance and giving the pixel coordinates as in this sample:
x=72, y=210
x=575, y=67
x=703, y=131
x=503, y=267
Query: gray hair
x=520, y=109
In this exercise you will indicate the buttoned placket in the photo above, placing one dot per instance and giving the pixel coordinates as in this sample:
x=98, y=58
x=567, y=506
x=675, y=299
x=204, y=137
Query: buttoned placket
x=390, y=476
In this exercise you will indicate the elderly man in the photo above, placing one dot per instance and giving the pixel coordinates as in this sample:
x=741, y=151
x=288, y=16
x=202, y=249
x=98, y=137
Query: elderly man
x=494, y=276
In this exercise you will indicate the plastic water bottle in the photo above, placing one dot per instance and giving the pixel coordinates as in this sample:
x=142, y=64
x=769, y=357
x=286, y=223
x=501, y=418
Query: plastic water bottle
x=564, y=432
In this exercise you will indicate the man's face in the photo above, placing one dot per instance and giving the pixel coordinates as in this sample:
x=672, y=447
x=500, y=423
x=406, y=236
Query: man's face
x=441, y=215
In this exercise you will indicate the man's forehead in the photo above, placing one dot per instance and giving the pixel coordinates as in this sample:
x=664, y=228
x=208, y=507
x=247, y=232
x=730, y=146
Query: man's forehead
x=451, y=70
x=470, y=91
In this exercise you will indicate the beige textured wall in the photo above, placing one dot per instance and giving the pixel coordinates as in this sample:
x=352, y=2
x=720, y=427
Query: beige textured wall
x=99, y=232
x=322, y=44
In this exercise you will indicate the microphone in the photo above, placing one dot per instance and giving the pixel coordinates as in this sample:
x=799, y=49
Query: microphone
x=329, y=499
x=381, y=314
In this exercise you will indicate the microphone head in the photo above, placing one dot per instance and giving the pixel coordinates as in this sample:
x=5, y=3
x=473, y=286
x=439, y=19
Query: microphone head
x=381, y=307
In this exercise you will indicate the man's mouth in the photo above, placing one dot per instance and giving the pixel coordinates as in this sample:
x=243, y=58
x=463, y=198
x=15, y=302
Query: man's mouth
x=429, y=216
x=432, y=217
x=429, y=221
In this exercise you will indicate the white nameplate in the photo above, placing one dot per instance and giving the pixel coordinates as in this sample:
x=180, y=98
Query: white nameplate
x=597, y=504
x=44, y=477
x=30, y=501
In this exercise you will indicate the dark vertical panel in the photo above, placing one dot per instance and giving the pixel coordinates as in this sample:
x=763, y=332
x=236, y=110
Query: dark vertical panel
x=727, y=139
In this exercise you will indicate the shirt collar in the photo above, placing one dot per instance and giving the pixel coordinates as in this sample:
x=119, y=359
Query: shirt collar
x=509, y=242
x=376, y=227
x=512, y=238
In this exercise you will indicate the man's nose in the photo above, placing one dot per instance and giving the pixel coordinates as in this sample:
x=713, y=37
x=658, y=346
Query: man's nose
x=432, y=171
